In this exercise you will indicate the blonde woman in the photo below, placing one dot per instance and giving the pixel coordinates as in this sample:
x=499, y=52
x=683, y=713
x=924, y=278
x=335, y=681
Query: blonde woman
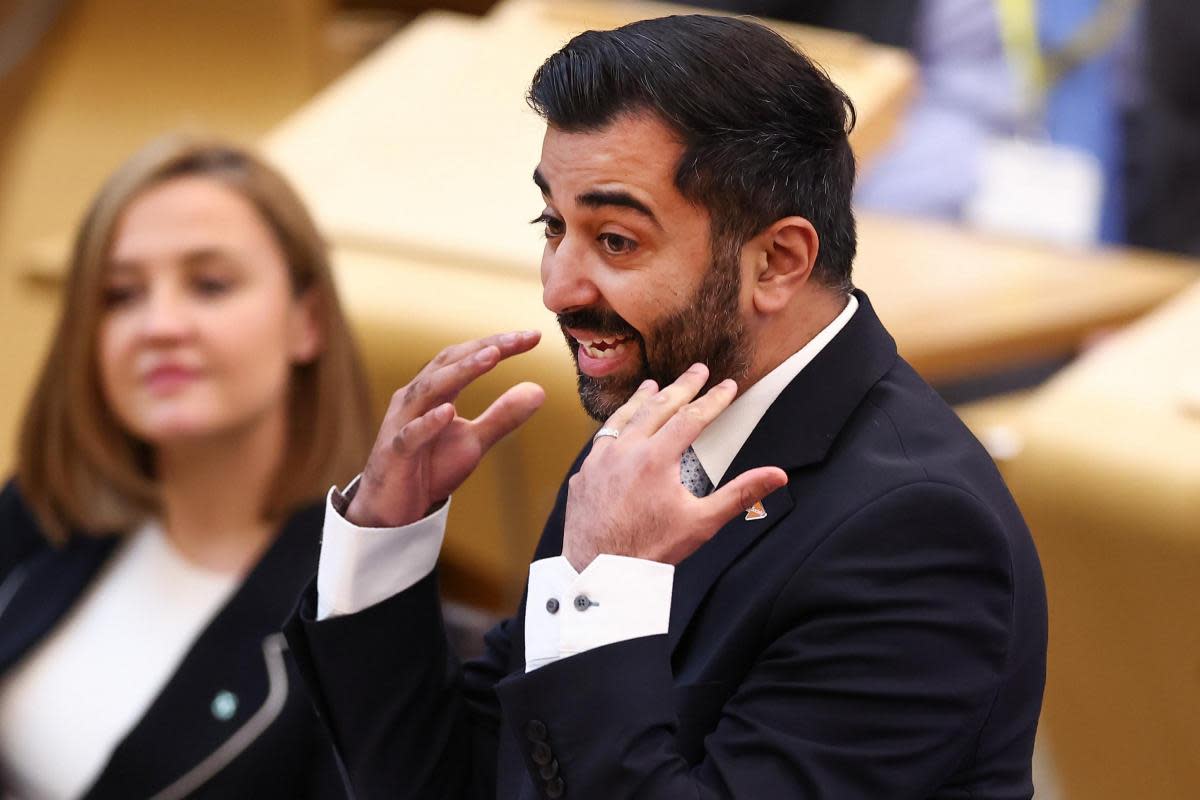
x=201, y=394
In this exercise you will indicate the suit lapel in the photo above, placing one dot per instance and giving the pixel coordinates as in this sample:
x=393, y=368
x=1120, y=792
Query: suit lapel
x=797, y=431
x=695, y=575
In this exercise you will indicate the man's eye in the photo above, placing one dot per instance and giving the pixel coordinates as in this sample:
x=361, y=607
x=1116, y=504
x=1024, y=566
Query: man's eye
x=616, y=244
x=553, y=226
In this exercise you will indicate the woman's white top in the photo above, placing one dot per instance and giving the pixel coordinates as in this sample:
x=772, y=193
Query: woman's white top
x=66, y=706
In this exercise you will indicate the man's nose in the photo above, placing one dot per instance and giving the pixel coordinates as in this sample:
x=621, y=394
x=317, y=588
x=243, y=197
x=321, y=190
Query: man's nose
x=566, y=278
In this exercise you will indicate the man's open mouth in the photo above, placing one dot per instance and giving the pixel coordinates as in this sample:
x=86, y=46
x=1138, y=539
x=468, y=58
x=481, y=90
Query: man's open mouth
x=604, y=347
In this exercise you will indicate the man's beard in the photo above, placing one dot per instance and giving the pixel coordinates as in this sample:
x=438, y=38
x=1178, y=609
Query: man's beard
x=706, y=329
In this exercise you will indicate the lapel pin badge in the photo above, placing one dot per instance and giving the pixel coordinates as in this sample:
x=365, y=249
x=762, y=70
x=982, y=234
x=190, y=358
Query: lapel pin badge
x=224, y=705
x=756, y=511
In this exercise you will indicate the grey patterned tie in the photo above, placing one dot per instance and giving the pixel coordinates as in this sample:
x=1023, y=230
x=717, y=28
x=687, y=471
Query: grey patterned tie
x=692, y=475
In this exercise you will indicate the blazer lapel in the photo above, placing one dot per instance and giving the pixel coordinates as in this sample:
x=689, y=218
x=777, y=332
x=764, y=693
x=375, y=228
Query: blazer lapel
x=230, y=685
x=797, y=431
x=41, y=589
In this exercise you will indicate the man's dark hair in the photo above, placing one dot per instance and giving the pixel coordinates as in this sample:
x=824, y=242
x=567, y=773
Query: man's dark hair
x=764, y=128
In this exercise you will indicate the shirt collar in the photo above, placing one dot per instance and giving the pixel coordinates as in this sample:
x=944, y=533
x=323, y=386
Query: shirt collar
x=720, y=442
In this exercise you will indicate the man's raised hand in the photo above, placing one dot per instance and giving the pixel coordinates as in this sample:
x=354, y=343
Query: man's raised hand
x=424, y=450
x=627, y=499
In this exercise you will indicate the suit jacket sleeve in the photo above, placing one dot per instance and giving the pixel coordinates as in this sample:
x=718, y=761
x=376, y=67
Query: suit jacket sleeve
x=406, y=719
x=880, y=657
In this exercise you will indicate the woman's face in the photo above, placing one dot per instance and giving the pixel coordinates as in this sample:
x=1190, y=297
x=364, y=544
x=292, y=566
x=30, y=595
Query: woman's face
x=200, y=325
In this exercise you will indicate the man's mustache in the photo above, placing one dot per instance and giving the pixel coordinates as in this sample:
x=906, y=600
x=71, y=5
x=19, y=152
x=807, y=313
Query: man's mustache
x=596, y=319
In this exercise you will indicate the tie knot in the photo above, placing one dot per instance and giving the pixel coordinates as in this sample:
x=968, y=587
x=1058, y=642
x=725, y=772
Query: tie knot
x=692, y=475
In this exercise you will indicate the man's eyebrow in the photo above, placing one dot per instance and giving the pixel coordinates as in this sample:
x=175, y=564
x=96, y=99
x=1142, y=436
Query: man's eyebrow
x=598, y=198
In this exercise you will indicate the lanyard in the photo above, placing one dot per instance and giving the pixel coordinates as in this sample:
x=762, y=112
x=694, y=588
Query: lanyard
x=1040, y=70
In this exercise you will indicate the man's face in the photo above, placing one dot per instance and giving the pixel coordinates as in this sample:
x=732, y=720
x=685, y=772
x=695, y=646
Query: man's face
x=628, y=267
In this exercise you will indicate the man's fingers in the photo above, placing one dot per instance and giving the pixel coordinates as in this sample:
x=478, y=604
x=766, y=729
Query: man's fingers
x=662, y=406
x=507, y=413
x=743, y=491
x=444, y=384
x=509, y=343
x=678, y=433
x=622, y=415
x=419, y=432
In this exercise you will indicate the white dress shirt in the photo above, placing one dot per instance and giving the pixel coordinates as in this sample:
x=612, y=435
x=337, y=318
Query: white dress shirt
x=567, y=612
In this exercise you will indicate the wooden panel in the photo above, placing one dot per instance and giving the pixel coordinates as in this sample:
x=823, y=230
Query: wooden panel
x=962, y=304
x=878, y=79
x=120, y=71
x=1108, y=476
x=427, y=148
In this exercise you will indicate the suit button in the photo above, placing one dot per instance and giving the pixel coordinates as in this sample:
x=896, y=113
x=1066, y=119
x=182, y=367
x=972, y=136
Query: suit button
x=549, y=771
x=541, y=754
x=583, y=602
x=536, y=730
x=555, y=788
x=552, y=605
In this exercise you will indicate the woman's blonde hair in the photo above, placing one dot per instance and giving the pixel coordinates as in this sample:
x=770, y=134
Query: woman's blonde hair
x=77, y=467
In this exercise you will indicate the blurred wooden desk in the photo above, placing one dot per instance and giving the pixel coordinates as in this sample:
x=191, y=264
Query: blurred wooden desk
x=962, y=304
x=1108, y=476
x=425, y=152
x=427, y=148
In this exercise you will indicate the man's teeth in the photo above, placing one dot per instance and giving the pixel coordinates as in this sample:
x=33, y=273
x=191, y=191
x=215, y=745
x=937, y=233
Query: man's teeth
x=612, y=347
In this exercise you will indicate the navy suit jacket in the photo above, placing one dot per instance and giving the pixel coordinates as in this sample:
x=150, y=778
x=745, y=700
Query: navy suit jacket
x=271, y=746
x=880, y=634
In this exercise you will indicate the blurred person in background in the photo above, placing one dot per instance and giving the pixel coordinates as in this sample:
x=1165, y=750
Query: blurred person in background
x=1016, y=122
x=1162, y=130
x=201, y=393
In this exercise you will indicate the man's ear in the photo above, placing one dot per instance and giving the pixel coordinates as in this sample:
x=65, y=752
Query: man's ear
x=305, y=337
x=783, y=258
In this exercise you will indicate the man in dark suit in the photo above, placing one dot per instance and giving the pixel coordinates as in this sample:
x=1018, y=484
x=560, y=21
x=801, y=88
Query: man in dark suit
x=782, y=568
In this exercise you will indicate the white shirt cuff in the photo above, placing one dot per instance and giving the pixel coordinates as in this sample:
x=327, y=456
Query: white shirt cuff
x=615, y=598
x=360, y=567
